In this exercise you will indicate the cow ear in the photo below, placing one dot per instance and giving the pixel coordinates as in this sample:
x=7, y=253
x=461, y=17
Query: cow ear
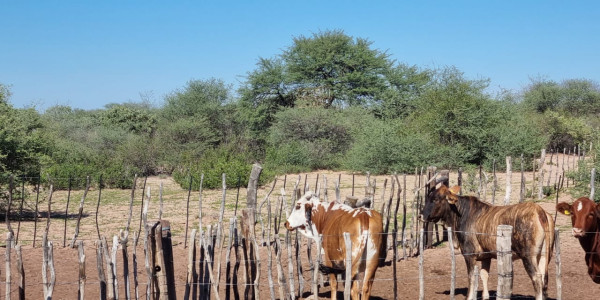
x=452, y=194
x=565, y=208
x=455, y=190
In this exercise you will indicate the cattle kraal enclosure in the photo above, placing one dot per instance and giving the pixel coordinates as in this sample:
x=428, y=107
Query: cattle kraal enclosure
x=98, y=252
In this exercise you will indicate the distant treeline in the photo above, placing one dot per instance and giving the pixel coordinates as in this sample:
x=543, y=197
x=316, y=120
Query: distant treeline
x=328, y=101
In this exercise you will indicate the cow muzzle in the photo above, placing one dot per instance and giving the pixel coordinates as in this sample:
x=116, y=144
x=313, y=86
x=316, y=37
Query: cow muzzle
x=578, y=232
x=288, y=227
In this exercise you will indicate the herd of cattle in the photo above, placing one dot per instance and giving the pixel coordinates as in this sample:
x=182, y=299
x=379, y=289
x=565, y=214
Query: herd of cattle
x=532, y=239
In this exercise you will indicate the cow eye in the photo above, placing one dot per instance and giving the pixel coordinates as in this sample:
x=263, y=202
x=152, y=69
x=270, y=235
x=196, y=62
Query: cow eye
x=297, y=206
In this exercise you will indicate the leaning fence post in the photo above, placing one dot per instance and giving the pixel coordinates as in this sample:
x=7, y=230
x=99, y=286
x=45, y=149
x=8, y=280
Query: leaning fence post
x=348, y=282
x=505, y=271
x=453, y=259
x=558, y=264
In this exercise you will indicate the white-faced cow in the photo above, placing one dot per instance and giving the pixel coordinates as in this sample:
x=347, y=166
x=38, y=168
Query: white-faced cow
x=312, y=217
x=585, y=217
x=475, y=225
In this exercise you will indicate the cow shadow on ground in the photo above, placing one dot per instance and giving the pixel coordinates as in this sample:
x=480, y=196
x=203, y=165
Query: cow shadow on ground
x=463, y=292
x=326, y=294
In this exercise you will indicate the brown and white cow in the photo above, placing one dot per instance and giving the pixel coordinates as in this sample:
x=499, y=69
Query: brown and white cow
x=585, y=217
x=475, y=225
x=312, y=217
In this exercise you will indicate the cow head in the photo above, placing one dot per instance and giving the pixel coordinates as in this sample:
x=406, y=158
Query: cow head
x=585, y=215
x=301, y=214
x=438, y=203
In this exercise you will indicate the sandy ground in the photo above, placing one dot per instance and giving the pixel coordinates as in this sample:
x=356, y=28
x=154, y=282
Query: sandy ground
x=113, y=216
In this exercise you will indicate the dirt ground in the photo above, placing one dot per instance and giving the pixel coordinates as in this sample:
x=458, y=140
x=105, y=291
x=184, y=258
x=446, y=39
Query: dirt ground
x=113, y=215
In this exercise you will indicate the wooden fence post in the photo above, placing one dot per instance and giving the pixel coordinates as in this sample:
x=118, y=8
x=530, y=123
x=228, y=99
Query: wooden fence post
x=541, y=180
x=9, y=243
x=21, y=272
x=348, y=282
x=191, y=266
x=421, y=274
x=453, y=265
x=87, y=188
x=508, y=180
x=100, y=266
x=593, y=183
x=505, y=270
x=163, y=256
x=82, y=276
x=558, y=264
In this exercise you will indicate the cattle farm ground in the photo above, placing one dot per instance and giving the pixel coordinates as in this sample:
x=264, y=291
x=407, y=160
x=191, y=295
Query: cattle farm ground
x=113, y=215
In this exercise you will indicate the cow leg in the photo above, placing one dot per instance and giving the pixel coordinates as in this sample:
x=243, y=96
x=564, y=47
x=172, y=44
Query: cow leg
x=530, y=265
x=333, y=283
x=542, y=265
x=370, y=270
x=485, y=274
x=470, y=262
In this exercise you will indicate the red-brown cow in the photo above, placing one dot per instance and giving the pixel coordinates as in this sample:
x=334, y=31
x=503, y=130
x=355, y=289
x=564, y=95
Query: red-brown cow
x=475, y=222
x=585, y=217
x=312, y=217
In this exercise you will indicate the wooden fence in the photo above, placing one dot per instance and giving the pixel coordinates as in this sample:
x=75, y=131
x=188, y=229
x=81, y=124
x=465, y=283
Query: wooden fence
x=230, y=264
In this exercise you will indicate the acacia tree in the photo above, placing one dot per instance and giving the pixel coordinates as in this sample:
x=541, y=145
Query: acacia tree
x=333, y=68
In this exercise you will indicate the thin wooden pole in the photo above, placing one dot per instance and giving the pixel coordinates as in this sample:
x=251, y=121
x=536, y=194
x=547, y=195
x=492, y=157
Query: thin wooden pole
x=475, y=281
x=136, y=238
x=191, y=267
x=37, y=201
x=142, y=204
x=283, y=287
x=348, y=263
x=508, y=180
x=21, y=271
x=257, y=280
x=453, y=260
x=522, y=190
x=67, y=213
x=87, y=188
x=82, y=276
x=421, y=273
x=541, y=180
x=593, y=183
x=8, y=277
x=100, y=267
x=558, y=264
x=220, y=235
x=7, y=215
x=21, y=210
x=124, y=239
x=98, y=206
x=187, y=212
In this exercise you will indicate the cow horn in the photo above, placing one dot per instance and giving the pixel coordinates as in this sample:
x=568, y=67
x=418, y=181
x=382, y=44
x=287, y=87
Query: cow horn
x=441, y=179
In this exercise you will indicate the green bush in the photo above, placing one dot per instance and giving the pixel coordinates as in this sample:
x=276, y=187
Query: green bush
x=233, y=163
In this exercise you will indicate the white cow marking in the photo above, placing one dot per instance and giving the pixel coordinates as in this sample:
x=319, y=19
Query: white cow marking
x=579, y=206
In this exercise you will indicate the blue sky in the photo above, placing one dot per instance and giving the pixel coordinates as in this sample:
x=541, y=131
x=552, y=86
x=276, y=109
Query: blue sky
x=87, y=54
